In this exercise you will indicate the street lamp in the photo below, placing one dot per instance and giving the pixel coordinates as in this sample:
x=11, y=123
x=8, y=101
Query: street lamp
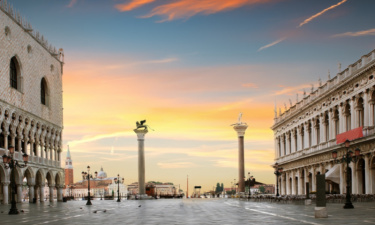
x=347, y=158
x=87, y=176
x=117, y=181
x=278, y=171
x=10, y=162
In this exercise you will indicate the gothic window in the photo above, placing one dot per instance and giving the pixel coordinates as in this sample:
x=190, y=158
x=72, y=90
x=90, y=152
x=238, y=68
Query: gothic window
x=310, y=133
x=348, y=117
x=327, y=126
x=284, y=138
x=295, y=141
x=318, y=131
x=303, y=138
x=337, y=122
x=360, y=111
x=43, y=92
x=14, y=73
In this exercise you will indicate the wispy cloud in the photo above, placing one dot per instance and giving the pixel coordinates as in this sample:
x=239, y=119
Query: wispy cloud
x=99, y=137
x=356, y=34
x=184, y=9
x=133, y=4
x=320, y=13
x=250, y=85
x=71, y=3
x=271, y=44
x=292, y=90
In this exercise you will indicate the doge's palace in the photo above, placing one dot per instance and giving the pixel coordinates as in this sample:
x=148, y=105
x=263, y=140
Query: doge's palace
x=305, y=134
x=31, y=110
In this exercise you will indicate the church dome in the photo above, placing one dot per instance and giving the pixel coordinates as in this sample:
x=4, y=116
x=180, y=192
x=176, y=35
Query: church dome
x=102, y=174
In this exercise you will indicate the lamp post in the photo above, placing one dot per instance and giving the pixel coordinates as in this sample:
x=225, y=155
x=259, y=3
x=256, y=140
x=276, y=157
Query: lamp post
x=347, y=158
x=10, y=162
x=87, y=176
x=117, y=181
x=278, y=171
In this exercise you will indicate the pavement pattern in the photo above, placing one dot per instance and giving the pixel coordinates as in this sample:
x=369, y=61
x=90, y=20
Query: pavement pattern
x=183, y=211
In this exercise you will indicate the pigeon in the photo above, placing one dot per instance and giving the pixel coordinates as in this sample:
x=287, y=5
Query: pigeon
x=105, y=210
x=80, y=207
x=95, y=211
x=22, y=210
x=139, y=206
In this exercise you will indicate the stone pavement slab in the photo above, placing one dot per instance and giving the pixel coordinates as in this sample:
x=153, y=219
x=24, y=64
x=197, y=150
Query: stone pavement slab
x=183, y=211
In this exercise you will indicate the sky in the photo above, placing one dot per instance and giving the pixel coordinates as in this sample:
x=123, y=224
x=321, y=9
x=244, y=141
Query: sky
x=189, y=67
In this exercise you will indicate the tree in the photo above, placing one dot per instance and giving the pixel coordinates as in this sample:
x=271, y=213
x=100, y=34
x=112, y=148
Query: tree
x=217, y=190
x=262, y=189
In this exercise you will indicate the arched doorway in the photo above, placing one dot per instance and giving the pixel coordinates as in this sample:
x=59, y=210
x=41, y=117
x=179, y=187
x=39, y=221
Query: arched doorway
x=50, y=186
x=290, y=186
x=3, y=197
x=28, y=178
x=39, y=186
x=302, y=177
x=361, y=177
x=310, y=182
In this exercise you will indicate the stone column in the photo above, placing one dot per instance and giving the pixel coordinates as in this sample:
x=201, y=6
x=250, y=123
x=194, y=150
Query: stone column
x=31, y=193
x=51, y=187
x=141, y=161
x=36, y=191
x=342, y=178
x=41, y=193
x=19, y=140
x=25, y=140
x=300, y=182
x=240, y=129
x=287, y=181
x=354, y=178
x=367, y=174
x=5, y=139
x=60, y=193
x=19, y=193
x=5, y=192
x=313, y=179
x=292, y=174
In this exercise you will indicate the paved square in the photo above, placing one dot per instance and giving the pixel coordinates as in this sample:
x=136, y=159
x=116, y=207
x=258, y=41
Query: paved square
x=184, y=211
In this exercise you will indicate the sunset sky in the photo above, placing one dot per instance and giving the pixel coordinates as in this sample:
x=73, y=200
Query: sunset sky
x=189, y=67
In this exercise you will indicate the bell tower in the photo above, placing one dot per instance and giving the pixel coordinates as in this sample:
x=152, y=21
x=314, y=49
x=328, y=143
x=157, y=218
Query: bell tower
x=68, y=169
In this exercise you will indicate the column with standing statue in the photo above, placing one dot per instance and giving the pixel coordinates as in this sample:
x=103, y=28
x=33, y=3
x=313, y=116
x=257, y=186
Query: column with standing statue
x=240, y=128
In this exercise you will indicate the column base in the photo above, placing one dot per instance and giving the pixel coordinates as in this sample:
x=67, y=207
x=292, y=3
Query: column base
x=321, y=212
x=307, y=201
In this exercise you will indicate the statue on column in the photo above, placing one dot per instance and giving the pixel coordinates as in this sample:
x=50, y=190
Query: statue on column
x=141, y=124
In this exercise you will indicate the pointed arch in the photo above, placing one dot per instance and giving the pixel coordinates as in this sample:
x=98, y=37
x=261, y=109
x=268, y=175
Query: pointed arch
x=15, y=73
x=44, y=92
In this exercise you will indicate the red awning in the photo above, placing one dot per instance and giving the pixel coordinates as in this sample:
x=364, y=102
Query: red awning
x=350, y=135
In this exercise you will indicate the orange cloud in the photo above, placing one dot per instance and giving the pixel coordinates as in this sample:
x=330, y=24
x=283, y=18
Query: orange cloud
x=320, y=13
x=133, y=4
x=183, y=9
x=356, y=34
x=250, y=85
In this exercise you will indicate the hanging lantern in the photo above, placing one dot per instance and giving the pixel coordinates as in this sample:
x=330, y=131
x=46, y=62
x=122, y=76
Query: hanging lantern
x=357, y=152
x=334, y=154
